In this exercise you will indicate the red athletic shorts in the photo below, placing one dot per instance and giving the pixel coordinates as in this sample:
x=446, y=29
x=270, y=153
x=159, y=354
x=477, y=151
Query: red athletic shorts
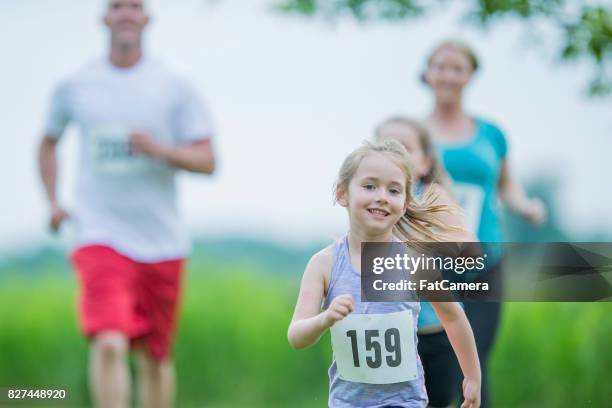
x=135, y=298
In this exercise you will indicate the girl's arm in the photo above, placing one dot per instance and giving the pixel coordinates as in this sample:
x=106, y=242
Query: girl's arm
x=309, y=322
x=513, y=195
x=461, y=338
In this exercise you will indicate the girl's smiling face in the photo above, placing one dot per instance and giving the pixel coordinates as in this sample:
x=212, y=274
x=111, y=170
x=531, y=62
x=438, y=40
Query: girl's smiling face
x=376, y=195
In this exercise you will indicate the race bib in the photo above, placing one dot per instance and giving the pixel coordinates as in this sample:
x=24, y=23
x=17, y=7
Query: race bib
x=471, y=198
x=111, y=153
x=375, y=348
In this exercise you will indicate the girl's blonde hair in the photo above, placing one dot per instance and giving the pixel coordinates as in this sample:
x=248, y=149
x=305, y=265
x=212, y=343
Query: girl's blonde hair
x=419, y=221
x=437, y=173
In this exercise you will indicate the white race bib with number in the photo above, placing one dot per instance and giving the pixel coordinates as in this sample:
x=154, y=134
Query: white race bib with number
x=471, y=198
x=375, y=348
x=111, y=153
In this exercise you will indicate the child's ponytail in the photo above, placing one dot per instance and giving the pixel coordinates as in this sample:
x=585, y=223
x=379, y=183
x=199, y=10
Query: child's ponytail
x=420, y=221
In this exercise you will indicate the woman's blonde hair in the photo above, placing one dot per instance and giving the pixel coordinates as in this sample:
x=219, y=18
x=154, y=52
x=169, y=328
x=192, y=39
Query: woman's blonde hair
x=419, y=221
x=437, y=173
x=457, y=45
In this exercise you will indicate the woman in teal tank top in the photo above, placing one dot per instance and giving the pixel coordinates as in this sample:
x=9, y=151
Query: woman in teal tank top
x=474, y=153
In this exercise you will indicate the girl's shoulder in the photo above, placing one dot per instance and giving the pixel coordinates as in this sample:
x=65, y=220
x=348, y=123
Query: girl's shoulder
x=324, y=259
x=322, y=263
x=325, y=255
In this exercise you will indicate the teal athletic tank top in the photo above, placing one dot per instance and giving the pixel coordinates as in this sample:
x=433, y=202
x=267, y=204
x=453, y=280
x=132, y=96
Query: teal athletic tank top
x=474, y=167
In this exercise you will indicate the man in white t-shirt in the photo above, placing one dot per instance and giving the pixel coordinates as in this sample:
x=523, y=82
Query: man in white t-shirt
x=139, y=123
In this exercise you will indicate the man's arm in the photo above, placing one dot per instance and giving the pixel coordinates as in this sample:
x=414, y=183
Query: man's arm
x=47, y=165
x=197, y=157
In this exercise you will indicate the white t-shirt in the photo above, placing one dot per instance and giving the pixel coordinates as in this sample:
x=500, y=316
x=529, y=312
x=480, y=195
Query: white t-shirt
x=123, y=200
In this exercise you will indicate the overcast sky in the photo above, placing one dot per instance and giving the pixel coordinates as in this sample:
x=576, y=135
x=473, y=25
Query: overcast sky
x=290, y=99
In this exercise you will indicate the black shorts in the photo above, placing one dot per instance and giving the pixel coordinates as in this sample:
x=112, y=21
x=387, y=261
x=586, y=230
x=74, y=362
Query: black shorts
x=442, y=371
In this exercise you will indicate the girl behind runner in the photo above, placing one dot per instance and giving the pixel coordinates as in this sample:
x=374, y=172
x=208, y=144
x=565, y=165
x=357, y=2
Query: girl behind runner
x=375, y=185
x=440, y=365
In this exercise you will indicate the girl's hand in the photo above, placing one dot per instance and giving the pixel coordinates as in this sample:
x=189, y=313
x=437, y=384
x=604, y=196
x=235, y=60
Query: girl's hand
x=339, y=308
x=471, y=393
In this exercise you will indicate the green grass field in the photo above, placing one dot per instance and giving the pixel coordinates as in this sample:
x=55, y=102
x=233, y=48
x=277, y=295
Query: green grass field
x=232, y=349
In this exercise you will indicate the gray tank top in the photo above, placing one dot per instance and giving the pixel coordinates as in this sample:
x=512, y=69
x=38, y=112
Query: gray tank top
x=346, y=394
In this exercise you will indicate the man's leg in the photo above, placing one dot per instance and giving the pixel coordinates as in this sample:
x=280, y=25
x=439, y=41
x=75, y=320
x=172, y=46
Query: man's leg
x=158, y=300
x=107, y=318
x=156, y=380
x=109, y=376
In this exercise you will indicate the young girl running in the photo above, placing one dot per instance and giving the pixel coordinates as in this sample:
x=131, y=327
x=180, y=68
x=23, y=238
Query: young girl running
x=440, y=365
x=375, y=186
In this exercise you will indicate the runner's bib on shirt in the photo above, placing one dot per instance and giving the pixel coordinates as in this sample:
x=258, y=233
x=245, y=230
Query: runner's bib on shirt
x=375, y=348
x=111, y=153
x=471, y=198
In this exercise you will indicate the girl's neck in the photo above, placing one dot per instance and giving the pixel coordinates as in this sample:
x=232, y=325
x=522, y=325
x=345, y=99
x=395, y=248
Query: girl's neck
x=356, y=237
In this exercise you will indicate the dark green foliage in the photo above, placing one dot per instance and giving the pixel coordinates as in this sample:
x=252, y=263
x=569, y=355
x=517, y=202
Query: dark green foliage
x=523, y=8
x=585, y=30
x=360, y=9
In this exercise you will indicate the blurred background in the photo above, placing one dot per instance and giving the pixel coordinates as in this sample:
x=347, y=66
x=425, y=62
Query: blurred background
x=291, y=96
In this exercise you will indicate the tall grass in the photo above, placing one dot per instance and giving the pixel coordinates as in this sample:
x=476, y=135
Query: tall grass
x=232, y=350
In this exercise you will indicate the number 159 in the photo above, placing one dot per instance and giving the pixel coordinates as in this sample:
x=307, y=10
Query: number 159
x=392, y=345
